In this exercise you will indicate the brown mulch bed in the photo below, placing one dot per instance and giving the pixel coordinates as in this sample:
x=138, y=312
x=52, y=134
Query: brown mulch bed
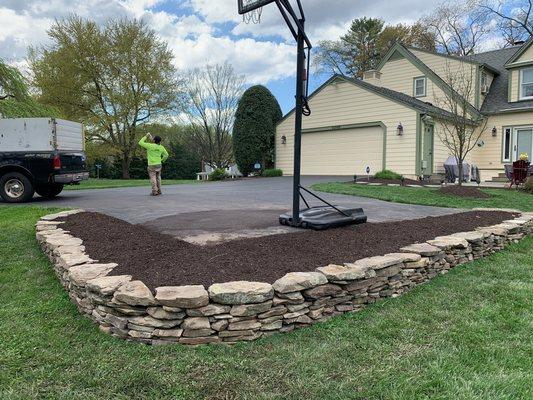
x=396, y=181
x=464, y=191
x=161, y=260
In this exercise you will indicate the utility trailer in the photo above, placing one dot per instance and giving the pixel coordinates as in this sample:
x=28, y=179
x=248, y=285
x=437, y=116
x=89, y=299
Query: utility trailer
x=40, y=155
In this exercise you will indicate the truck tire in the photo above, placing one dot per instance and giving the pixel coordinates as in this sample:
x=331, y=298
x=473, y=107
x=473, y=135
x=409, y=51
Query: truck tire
x=16, y=187
x=49, y=191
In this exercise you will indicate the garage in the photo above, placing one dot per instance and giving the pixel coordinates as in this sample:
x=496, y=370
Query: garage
x=343, y=151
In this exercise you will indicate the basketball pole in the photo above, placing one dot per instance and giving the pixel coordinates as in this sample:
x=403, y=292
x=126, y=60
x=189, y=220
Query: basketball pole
x=298, y=113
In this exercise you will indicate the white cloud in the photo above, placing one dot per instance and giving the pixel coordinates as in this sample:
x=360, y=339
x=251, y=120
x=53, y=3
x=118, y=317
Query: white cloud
x=204, y=31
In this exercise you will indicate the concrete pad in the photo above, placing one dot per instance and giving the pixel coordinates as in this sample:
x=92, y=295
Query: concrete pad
x=212, y=227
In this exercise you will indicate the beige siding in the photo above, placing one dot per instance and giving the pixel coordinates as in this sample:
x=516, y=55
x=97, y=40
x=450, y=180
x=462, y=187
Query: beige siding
x=399, y=74
x=488, y=157
x=440, y=151
x=344, y=103
x=514, y=76
x=342, y=152
x=526, y=56
x=444, y=66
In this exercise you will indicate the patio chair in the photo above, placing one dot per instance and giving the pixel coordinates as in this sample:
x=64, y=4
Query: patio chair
x=519, y=174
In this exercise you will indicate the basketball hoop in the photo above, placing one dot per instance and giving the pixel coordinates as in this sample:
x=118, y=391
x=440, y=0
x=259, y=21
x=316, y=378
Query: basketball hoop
x=253, y=17
x=313, y=217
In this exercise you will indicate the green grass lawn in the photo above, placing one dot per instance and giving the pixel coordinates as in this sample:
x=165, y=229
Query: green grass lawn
x=117, y=183
x=465, y=335
x=501, y=198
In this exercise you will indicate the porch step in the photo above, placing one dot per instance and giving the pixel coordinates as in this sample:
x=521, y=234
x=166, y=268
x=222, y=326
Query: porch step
x=500, y=178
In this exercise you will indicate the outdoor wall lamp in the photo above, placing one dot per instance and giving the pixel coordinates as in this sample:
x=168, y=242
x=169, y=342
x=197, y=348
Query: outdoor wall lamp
x=399, y=129
x=494, y=132
x=283, y=139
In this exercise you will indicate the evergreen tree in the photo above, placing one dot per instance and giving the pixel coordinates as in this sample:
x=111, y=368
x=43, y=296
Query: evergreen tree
x=254, y=129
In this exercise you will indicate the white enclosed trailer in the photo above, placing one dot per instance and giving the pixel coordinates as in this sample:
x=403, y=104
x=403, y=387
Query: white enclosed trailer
x=40, y=134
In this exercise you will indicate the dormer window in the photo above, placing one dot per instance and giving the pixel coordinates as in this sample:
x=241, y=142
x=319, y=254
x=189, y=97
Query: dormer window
x=526, y=83
x=419, y=87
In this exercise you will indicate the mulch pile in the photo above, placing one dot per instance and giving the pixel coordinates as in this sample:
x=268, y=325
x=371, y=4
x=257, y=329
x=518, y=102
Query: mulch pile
x=464, y=191
x=161, y=260
x=396, y=181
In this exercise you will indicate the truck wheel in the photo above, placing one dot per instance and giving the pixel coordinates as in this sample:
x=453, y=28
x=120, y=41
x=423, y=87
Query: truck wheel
x=49, y=191
x=15, y=187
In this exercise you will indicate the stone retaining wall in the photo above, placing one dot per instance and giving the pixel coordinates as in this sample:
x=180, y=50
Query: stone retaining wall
x=236, y=311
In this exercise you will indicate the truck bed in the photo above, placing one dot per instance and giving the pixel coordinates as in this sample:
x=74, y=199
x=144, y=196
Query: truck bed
x=40, y=135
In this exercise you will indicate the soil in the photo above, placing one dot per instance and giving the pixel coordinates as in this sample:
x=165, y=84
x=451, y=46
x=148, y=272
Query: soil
x=396, y=181
x=161, y=260
x=464, y=191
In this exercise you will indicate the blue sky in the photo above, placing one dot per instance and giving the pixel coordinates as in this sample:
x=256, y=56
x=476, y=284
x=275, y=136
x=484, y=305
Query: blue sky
x=209, y=31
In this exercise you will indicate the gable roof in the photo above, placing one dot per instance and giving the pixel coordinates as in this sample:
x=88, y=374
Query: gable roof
x=469, y=60
x=436, y=79
x=398, y=97
x=497, y=100
x=518, y=53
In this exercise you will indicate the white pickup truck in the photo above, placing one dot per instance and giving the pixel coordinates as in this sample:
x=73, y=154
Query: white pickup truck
x=40, y=155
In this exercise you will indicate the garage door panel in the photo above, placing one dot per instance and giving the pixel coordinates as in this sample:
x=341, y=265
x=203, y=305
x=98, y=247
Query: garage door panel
x=342, y=152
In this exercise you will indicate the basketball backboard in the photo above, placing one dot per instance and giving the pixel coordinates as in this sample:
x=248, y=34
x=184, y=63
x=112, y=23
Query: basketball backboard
x=246, y=6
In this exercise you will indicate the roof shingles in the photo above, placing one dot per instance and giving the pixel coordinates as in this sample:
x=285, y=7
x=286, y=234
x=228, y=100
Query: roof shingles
x=497, y=98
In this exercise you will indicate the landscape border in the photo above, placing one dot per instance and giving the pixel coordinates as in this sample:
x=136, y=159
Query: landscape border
x=242, y=310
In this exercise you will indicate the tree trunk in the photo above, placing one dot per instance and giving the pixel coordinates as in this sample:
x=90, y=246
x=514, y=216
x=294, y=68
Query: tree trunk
x=460, y=168
x=126, y=161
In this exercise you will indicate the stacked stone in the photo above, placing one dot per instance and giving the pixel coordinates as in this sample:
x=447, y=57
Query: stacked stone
x=432, y=261
x=457, y=250
x=242, y=311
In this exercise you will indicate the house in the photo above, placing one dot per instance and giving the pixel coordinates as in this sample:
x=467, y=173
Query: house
x=390, y=118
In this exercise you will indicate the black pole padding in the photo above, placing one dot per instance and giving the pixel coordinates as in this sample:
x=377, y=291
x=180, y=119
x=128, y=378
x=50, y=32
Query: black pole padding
x=298, y=112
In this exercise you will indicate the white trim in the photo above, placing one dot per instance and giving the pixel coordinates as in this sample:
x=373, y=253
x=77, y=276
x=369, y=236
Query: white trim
x=522, y=97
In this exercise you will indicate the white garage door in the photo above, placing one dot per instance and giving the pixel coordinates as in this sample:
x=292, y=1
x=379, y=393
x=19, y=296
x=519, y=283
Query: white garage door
x=342, y=152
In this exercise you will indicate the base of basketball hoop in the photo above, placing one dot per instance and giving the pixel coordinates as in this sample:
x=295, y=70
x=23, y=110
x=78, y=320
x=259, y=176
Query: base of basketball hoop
x=325, y=217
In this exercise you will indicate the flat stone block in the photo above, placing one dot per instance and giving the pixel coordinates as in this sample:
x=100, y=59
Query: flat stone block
x=245, y=310
x=81, y=274
x=424, y=249
x=107, y=285
x=347, y=272
x=189, y=296
x=379, y=262
x=241, y=292
x=295, y=281
x=135, y=293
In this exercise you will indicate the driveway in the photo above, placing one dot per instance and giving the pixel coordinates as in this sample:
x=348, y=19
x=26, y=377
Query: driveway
x=274, y=194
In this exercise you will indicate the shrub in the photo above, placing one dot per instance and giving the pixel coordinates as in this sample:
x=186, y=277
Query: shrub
x=387, y=174
x=528, y=185
x=270, y=173
x=218, y=174
x=254, y=129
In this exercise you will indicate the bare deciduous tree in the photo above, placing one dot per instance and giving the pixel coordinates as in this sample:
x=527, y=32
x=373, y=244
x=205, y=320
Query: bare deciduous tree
x=213, y=93
x=458, y=28
x=515, y=19
x=459, y=133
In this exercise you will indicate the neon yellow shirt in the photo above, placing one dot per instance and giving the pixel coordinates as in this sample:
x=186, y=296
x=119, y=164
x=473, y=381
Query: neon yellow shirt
x=156, y=153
